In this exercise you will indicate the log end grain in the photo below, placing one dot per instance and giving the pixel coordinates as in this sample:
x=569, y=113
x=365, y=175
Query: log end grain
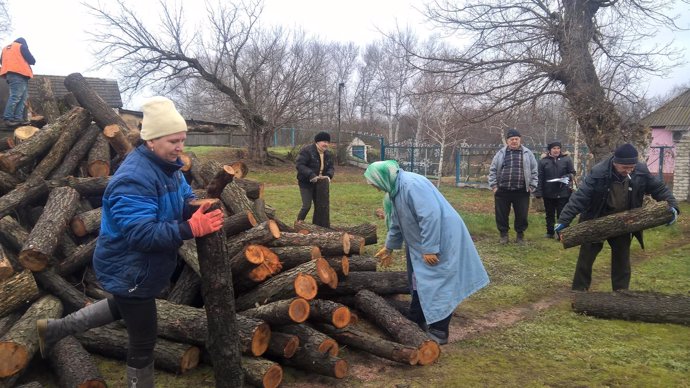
x=322, y=271
x=333, y=281
x=340, y=369
x=329, y=346
x=299, y=310
x=251, y=218
x=346, y=243
x=24, y=132
x=341, y=317
x=315, y=252
x=77, y=226
x=429, y=351
x=98, y=168
x=273, y=376
x=190, y=359
x=345, y=263
x=305, y=286
x=261, y=339
x=413, y=356
x=186, y=162
x=9, y=162
x=13, y=358
x=254, y=254
x=273, y=227
x=291, y=347
x=240, y=169
x=33, y=260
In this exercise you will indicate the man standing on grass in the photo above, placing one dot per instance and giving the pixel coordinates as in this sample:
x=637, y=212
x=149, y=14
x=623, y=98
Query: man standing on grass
x=16, y=62
x=512, y=177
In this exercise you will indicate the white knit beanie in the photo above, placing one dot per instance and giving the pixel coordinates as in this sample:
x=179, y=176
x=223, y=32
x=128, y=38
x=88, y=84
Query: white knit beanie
x=160, y=118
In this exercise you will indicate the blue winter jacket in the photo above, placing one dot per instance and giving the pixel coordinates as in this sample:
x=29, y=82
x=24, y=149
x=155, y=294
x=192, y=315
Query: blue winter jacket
x=143, y=224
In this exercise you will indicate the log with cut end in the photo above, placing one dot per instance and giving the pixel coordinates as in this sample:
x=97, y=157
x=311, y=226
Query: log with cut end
x=81, y=257
x=98, y=160
x=378, y=346
x=78, y=152
x=22, y=195
x=634, y=306
x=261, y=234
x=221, y=179
x=400, y=328
x=86, y=222
x=340, y=265
x=241, y=168
x=292, y=256
x=308, y=336
x=238, y=223
x=254, y=264
x=322, y=204
x=18, y=345
x=259, y=209
x=327, y=311
x=366, y=230
x=6, y=269
x=302, y=281
x=232, y=195
x=23, y=133
x=72, y=299
x=602, y=228
x=44, y=103
x=87, y=187
x=281, y=312
x=187, y=287
x=282, y=345
x=189, y=325
x=43, y=238
x=253, y=189
x=359, y=263
x=330, y=244
x=74, y=366
x=89, y=99
x=118, y=137
x=6, y=143
x=311, y=360
x=8, y=182
x=112, y=341
x=383, y=283
x=261, y=372
x=17, y=290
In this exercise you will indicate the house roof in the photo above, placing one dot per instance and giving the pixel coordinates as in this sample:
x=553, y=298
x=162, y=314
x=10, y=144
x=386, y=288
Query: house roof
x=675, y=114
x=107, y=89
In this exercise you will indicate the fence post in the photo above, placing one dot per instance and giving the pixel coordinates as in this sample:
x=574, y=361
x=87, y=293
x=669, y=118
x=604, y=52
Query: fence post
x=457, y=167
x=292, y=137
x=412, y=159
x=383, y=148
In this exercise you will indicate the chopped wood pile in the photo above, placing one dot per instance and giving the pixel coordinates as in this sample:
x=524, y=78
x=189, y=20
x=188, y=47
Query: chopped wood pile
x=279, y=294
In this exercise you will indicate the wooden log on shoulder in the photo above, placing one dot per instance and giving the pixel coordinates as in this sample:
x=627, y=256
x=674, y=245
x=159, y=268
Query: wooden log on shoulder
x=112, y=341
x=44, y=237
x=330, y=244
x=219, y=303
x=18, y=290
x=86, y=222
x=602, y=228
x=18, y=345
x=309, y=336
x=261, y=372
x=634, y=306
x=281, y=312
x=377, y=346
x=311, y=360
x=98, y=159
x=78, y=152
x=399, y=327
x=74, y=366
x=327, y=311
x=382, y=283
x=282, y=345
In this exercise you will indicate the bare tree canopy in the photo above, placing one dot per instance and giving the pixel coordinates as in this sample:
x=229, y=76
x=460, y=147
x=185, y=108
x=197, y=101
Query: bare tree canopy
x=5, y=19
x=587, y=51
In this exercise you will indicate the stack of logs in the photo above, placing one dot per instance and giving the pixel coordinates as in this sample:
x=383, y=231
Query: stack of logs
x=293, y=287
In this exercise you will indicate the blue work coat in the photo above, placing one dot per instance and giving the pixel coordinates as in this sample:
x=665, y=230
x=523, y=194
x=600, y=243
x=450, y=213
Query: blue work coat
x=427, y=223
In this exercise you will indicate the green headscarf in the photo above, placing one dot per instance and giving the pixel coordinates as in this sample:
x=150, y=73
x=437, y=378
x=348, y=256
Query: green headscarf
x=384, y=175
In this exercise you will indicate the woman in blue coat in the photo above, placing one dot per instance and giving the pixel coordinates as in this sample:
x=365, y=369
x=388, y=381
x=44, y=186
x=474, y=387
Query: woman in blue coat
x=443, y=265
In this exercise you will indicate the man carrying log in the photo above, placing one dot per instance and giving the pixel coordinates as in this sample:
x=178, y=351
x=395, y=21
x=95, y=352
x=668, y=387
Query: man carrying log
x=614, y=185
x=443, y=266
x=145, y=218
x=314, y=163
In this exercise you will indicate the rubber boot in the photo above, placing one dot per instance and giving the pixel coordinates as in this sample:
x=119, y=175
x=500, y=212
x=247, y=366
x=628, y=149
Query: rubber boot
x=140, y=378
x=50, y=331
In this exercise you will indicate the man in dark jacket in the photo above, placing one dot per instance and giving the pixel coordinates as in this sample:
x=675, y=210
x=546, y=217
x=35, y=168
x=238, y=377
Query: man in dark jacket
x=556, y=172
x=614, y=185
x=314, y=162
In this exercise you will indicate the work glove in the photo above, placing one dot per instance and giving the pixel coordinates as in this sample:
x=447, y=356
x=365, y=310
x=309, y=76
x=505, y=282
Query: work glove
x=384, y=256
x=203, y=223
x=314, y=179
x=675, y=216
x=431, y=258
x=325, y=177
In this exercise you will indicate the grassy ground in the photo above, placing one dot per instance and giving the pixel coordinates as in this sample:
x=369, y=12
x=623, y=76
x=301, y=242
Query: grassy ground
x=519, y=331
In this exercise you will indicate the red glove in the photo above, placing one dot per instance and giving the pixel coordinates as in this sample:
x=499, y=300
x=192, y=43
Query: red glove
x=205, y=223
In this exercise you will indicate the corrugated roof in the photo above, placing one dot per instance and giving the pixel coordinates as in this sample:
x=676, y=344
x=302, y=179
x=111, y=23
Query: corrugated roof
x=675, y=113
x=106, y=88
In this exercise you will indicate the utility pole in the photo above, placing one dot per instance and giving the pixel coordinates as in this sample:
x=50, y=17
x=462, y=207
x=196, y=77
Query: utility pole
x=340, y=92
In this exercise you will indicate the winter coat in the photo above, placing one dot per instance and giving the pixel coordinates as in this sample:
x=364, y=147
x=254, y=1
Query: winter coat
x=143, y=224
x=590, y=199
x=308, y=164
x=427, y=223
x=550, y=168
x=529, y=164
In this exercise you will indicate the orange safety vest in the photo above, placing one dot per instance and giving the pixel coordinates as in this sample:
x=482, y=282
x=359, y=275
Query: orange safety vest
x=13, y=61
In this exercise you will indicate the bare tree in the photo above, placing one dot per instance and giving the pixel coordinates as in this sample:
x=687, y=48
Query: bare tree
x=5, y=19
x=269, y=77
x=588, y=51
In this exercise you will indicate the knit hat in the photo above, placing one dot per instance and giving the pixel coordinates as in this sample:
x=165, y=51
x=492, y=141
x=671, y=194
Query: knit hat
x=512, y=132
x=322, y=136
x=160, y=119
x=625, y=154
x=553, y=144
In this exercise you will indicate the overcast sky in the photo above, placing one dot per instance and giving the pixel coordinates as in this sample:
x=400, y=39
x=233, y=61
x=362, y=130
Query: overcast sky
x=55, y=29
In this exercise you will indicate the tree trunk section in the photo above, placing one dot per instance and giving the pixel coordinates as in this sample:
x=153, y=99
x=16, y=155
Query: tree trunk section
x=89, y=99
x=629, y=221
x=377, y=346
x=261, y=372
x=254, y=190
x=365, y=230
x=322, y=204
x=87, y=187
x=327, y=311
x=118, y=137
x=359, y=263
x=86, y=222
x=71, y=298
x=382, y=283
x=281, y=312
x=222, y=178
x=81, y=257
x=261, y=234
x=187, y=287
x=292, y=256
x=634, y=306
x=238, y=223
x=309, y=336
x=282, y=345
x=45, y=104
x=74, y=366
x=188, y=253
x=98, y=161
x=8, y=182
x=21, y=196
x=77, y=153
x=330, y=244
x=17, y=291
x=399, y=327
x=311, y=360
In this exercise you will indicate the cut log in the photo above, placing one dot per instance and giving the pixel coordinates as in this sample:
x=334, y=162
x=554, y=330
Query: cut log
x=252, y=266
x=382, y=283
x=195, y=170
x=6, y=143
x=44, y=102
x=219, y=303
x=72, y=299
x=330, y=244
x=189, y=325
x=241, y=168
x=188, y=253
x=187, y=287
x=281, y=312
x=308, y=336
x=634, y=306
x=365, y=230
x=309, y=359
x=238, y=223
x=8, y=182
x=602, y=228
x=261, y=234
x=81, y=257
x=302, y=281
x=358, y=263
x=327, y=311
x=292, y=256
x=87, y=187
x=44, y=237
x=259, y=209
x=340, y=264
x=23, y=133
x=21, y=196
x=119, y=138
x=112, y=341
x=233, y=196
x=18, y=345
x=7, y=321
x=222, y=178
x=18, y=290
x=86, y=222
x=12, y=234
x=6, y=269
x=282, y=345
x=377, y=346
x=98, y=160
x=254, y=190
x=399, y=327
x=321, y=215
x=78, y=152
x=89, y=99
x=74, y=366
x=261, y=372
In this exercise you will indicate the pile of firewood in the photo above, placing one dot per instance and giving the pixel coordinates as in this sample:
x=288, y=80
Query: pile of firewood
x=283, y=295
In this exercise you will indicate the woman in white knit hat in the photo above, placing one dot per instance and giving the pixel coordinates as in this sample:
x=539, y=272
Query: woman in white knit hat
x=146, y=217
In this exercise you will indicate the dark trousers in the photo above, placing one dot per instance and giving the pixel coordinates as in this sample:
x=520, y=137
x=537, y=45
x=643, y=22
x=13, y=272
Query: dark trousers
x=142, y=327
x=553, y=208
x=417, y=315
x=307, y=194
x=503, y=200
x=620, y=263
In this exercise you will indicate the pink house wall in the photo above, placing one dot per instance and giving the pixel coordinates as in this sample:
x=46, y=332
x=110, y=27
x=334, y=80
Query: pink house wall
x=661, y=137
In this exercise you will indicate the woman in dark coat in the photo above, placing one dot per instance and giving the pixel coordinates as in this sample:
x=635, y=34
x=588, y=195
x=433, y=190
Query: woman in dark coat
x=556, y=172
